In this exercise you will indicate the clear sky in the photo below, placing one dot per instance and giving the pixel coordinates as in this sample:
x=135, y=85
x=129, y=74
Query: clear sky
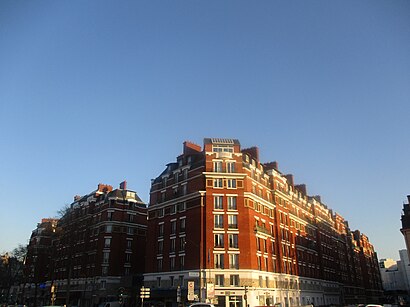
x=105, y=91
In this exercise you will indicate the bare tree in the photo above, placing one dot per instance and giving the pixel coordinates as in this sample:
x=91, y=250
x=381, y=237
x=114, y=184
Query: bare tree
x=67, y=229
x=11, y=270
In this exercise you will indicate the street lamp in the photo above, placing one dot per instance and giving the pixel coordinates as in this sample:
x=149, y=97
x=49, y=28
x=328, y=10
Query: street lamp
x=200, y=245
x=246, y=296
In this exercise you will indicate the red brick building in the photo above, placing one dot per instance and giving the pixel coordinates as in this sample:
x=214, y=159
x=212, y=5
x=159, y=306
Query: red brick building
x=244, y=233
x=37, y=266
x=99, y=248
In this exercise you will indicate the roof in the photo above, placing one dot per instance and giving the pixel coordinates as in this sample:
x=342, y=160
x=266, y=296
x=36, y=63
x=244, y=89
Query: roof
x=220, y=141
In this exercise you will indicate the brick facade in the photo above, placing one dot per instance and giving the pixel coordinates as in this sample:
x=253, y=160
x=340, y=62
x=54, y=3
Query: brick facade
x=248, y=229
x=98, y=249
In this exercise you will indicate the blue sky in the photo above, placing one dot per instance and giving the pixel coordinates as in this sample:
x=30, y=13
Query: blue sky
x=106, y=91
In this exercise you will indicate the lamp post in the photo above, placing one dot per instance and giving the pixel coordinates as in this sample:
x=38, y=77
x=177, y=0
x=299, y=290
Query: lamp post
x=201, y=244
x=246, y=296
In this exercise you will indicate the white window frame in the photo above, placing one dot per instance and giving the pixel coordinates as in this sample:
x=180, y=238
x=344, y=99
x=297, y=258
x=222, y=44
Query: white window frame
x=218, y=202
x=218, y=221
x=232, y=202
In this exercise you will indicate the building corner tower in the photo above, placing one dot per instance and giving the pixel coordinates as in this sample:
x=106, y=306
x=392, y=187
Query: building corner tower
x=405, y=223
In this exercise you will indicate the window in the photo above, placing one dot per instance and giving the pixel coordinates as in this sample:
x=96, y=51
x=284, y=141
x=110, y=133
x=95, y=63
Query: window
x=172, y=248
x=233, y=221
x=109, y=216
x=260, y=281
x=103, y=284
x=161, y=230
x=266, y=264
x=234, y=280
x=108, y=229
x=160, y=247
x=129, y=244
x=181, y=207
x=233, y=240
x=182, y=225
x=218, y=183
x=184, y=189
x=181, y=280
x=218, y=166
x=172, y=263
x=181, y=266
x=104, y=271
x=234, y=261
x=127, y=271
x=218, y=202
x=182, y=243
x=173, y=227
x=159, y=264
x=219, y=280
x=267, y=281
x=219, y=261
x=171, y=279
x=258, y=244
x=130, y=218
x=185, y=173
x=219, y=240
x=107, y=242
x=128, y=258
x=232, y=203
x=159, y=282
x=274, y=265
x=130, y=230
x=259, y=263
x=230, y=167
x=231, y=183
x=219, y=221
x=222, y=148
x=106, y=257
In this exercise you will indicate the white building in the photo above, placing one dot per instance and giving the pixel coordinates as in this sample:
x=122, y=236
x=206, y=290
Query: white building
x=396, y=274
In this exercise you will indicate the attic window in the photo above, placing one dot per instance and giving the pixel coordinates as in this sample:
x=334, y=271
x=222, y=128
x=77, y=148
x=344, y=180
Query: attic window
x=222, y=148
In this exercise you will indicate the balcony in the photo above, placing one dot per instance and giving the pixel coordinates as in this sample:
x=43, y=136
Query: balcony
x=221, y=155
x=262, y=229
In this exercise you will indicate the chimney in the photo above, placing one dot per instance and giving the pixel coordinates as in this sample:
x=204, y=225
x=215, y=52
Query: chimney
x=289, y=178
x=191, y=148
x=104, y=188
x=123, y=185
x=253, y=152
x=318, y=198
x=301, y=188
x=271, y=165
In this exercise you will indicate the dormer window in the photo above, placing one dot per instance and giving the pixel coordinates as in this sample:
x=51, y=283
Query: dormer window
x=222, y=148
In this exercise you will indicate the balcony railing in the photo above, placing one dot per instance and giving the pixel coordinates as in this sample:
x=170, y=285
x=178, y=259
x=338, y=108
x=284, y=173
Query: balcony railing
x=262, y=230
